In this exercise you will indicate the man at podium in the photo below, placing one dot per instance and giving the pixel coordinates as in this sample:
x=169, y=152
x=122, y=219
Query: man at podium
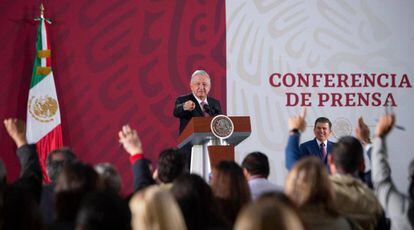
x=195, y=104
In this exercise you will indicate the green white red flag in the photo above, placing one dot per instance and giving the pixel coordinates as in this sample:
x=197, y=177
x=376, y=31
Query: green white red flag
x=43, y=113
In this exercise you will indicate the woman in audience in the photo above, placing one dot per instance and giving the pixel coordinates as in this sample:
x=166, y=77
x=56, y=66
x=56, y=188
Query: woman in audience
x=75, y=182
x=309, y=187
x=269, y=213
x=197, y=203
x=103, y=210
x=109, y=177
x=155, y=208
x=230, y=188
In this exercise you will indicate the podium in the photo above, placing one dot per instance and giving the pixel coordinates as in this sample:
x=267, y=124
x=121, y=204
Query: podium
x=208, y=150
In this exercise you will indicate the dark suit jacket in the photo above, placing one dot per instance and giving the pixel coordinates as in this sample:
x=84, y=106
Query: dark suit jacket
x=142, y=174
x=185, y=116
x=294, y=151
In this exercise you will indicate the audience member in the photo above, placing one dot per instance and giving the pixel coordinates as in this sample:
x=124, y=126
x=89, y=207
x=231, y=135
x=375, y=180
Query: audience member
x=197, y=203
x=170, y=163
x=353, y=198
x=362, y=133
x=398, y=206
x=109, y=177
x=21, y=198
x=103, y=210
x=268, y=213
x=155, y=208
x=309, y=187
x=75, y=182
x=55, y=162
x=131, y=143
x=256, y=170
x=230, y=188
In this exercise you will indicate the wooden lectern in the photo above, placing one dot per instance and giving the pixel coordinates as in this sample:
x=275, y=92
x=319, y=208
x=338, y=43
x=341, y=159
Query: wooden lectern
x=208, y=150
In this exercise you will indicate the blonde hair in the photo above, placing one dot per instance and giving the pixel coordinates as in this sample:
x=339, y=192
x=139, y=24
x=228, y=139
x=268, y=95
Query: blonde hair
x=268, y=213
x=308, y=184
x=156, y=209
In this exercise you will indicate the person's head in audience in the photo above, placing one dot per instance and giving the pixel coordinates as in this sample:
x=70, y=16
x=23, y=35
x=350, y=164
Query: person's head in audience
x=280, y=196
x=74, y=182
x=268, y=213
x=308, y=185
x=56, y=161
x=103, y=210
x=256, y=164
x=155, y=208
x=20, y=208
x=197, y=203
x=170, y=165
x=322, y=128
x=109, y=177
x=347, y=156
x=230, y=187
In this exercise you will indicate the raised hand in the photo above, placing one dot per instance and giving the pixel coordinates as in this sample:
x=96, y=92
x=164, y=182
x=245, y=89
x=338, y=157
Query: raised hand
x=16, y=130
x=298, y=122
x=130, y=140
x=385, y=125
x=362, y=132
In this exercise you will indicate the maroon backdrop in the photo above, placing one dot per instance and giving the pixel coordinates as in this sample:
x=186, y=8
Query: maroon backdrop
x=115, y=62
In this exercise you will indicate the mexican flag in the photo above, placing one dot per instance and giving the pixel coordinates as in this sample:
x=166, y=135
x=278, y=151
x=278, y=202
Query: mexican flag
x=43, y=113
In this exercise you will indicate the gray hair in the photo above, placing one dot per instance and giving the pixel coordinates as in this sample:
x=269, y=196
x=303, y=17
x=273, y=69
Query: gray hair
x=199, y=72
x=109, y=176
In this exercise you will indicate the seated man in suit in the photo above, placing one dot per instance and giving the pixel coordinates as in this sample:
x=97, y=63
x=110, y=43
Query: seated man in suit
x=195, y=104
x=320, y=146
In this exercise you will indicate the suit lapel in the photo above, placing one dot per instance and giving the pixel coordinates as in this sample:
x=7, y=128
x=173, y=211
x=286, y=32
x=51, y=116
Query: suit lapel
x=329, y=147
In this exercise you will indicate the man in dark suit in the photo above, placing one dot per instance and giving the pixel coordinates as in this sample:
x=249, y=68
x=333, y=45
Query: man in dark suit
x=320, y=146
x=195, y=104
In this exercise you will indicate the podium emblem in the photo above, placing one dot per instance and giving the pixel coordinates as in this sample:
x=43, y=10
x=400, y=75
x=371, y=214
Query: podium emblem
x=222, y=126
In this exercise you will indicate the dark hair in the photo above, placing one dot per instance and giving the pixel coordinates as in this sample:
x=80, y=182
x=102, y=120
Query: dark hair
x=170, y=165
x=323, y=120
x=54, y=166
x=197, y=203
x=230, y=187
x=19, y=209
x=347, y=154
x=75, y=181
x=103, y=210
x=256, y=163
